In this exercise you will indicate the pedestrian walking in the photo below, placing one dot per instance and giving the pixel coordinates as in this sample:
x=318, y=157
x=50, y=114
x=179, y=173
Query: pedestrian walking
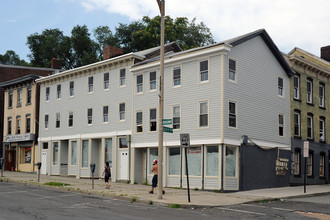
x=107, y=175
x=155, y=177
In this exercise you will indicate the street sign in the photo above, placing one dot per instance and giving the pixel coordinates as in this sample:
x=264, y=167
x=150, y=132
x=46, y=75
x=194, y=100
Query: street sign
x=184, y=140
x=167, y=121
x=168, y=130
x=306, y=148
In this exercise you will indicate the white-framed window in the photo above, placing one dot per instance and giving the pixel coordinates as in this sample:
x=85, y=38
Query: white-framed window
x=322, y=129
x=84, y=153
x=194, y=157
x=176, y=117
x=310, y=134
x=153, y=119
x=231, y=161
x=212, y=161
x=321, y=95
x=58, y=91
x=296, y=121
x=310, y=161
x=203, y=114
x=322, y=164
x=70, y=122
x=204, y=71
x=19, y=97
x=281, y=125
x=73, y=153
x=232, y=115
x=71, y=88
x=55, y=153
x=152, y=80
x=18, y=125
x=153, y=155
x=46, y=121
x=9, y=126
x=139, y=83
x=108, y=150
x=90, y=84
x=297, y=162
x=29, y=96
x=122, y=111
x=123, y=142
x=280, y=86
x=90, y=116
x=58, y=120
x=122, y=80
x=10, y=99
x=296, y=87
x=106, y=81
x=177, y=76
x=232, y=70
x=139, y=122
x=105, y=113
x=47, y=93
x=28, y=124
x=309, y=91
x=174, y=161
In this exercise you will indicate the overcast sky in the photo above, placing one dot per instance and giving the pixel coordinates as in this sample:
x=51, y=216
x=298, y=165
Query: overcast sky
x=290, y=23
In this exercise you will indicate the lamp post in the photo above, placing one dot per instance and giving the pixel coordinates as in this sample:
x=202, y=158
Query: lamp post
x=161, y=4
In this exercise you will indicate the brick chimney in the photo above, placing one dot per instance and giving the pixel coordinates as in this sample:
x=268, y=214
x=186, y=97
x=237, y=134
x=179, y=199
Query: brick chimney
x=325, y=53
x=56, y=64
x=111, y=51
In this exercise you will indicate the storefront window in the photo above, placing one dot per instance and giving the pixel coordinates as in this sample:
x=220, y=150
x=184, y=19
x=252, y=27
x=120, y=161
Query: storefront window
x=194, y=161
x=55, y=153
x=231, y=161
x=74, y=153
x=26, y=153
x=153, y=155
x=84, y=153
x=174, y=161
x=108, y=151
x=212, y=161
x=123, y=143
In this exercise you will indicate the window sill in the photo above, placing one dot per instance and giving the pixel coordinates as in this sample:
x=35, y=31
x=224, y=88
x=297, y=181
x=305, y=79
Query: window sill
x=27, y=104
x=323, y=108
x=11, y=107
x=311, y=104
x=297, y=100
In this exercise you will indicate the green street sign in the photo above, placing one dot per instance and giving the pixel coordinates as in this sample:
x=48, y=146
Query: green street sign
x=167, y=121
x=168, y=130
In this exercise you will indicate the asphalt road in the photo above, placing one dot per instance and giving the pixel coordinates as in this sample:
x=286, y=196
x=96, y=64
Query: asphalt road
x=18, y=201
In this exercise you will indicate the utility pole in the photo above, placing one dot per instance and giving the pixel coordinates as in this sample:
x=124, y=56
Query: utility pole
x=161, y=4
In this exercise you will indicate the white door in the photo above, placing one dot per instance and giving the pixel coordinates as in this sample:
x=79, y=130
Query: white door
x=43, y=169
x=124, y=165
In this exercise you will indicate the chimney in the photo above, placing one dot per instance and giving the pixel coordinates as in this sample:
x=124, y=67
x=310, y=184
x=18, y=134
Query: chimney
x=325, y=53
x=111, y=51
x=56, y=64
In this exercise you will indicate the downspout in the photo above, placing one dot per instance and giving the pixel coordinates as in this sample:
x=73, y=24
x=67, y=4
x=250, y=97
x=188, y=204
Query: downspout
x=222, y=114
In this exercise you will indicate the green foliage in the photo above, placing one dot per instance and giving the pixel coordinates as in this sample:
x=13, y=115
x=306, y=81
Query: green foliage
x=150, y=202
x=174, y=206
x=11, y=58
x=133, y=199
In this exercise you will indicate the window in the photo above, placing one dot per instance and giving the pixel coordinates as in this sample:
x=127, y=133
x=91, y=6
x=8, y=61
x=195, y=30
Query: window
x=296, y=124
x=106, y=113
x=203, y=69
x=106, y=81
x=321, y=95
x=232, y=114
x=194, y=157
x=90, y=116
x=231, y=156
x=58, y=120
x=322, y=164
x=29, y=96
x=55, y=153
x=90, y=84
x=296, y=87
x=281, y=125
x=74, y=153
x=153, y=119
x=322, y=129
x=123, y=142
x=280, y=86
x=203, y=114
x=153, y=155
x=19, y=98
x=26, y=154
x=9, y=126
x=18, y=125
x=108, y=151
x=10, y=99
x=152, y=81
x=139, y=122
x=47, y=93
x=122, y=81
x=122, y=111
x=212, y=161
x=310, y=126
x=28, y=124
x=71, y=88
x=70, y=122
x=310, y=164
x=297, y=162
x=176, y=117
x=58, y=91
x=84, y=151
x=139, y=83
x=46, y=121
x=177, y=76
x=232, y=70
x=309, y=91
x=174, y=161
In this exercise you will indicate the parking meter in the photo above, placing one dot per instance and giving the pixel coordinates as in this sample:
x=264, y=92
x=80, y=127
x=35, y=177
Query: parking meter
x=39, y=165
x=92, y=165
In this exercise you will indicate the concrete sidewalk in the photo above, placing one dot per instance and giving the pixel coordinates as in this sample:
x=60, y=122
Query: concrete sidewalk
x=139, y=193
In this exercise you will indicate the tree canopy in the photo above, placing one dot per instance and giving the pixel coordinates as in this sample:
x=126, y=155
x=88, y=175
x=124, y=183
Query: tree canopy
x=11, y=58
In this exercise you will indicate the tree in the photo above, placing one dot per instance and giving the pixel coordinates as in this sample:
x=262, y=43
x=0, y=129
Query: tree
x=11, y=58
x=104, y=37
x=124, y=35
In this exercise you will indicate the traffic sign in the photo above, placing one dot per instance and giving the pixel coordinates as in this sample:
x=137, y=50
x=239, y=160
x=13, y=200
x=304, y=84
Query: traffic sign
x=168, y=130
x=184, y=140
x=167, y=121
x=306, y=148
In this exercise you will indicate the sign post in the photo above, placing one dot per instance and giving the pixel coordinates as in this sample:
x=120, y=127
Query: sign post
x=185, y=143
x=306, y=155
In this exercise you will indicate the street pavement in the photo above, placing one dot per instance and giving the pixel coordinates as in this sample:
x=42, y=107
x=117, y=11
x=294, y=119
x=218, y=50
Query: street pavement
x=140, y=193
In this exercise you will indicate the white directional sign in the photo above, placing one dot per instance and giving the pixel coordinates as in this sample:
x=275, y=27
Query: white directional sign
x=184, y=140
x=306, y=148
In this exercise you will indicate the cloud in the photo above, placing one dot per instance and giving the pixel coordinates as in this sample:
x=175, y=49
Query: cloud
x=291, y=23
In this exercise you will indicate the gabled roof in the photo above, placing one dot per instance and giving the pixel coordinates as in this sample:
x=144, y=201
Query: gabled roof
x=19, y=80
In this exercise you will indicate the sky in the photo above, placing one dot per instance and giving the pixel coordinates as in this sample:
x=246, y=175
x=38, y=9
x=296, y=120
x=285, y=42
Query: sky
x=290, y=23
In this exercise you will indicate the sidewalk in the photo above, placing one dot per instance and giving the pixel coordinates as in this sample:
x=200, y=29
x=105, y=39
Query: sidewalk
x=173, y=196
